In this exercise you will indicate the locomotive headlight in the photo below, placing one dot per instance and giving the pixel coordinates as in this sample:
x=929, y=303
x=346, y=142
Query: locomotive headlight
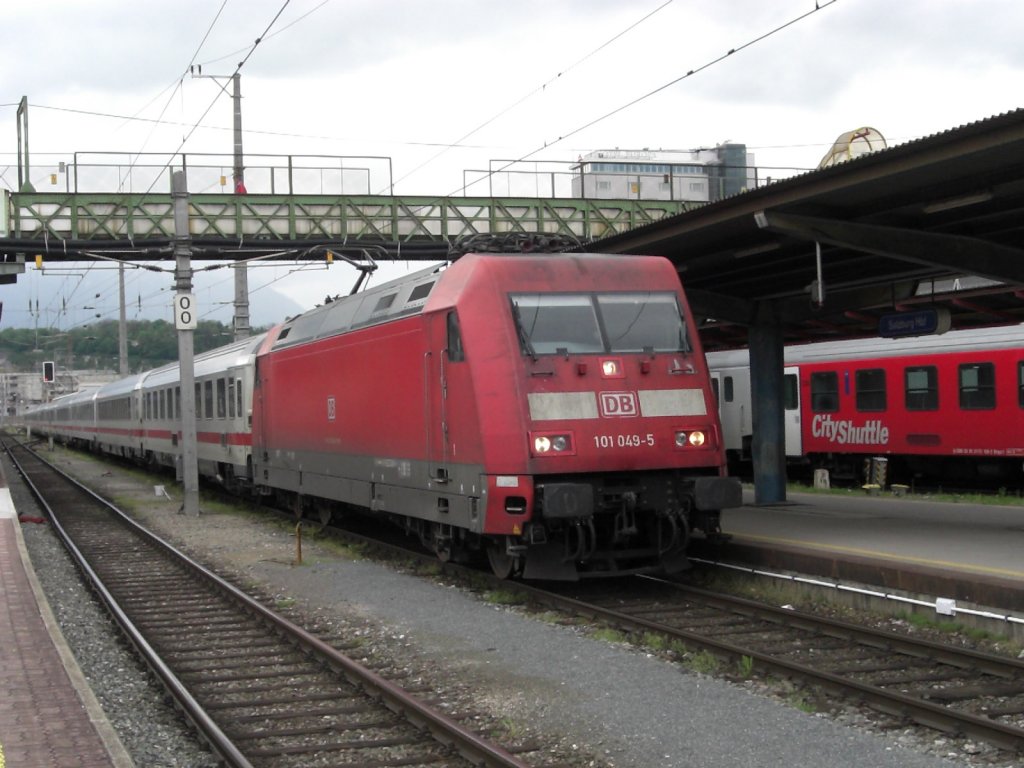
x=696, y=439
x=552, y=443
x=611, y=368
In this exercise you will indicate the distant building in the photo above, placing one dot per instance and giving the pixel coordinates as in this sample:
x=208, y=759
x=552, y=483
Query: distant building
x=698, y=175
x=20, y=391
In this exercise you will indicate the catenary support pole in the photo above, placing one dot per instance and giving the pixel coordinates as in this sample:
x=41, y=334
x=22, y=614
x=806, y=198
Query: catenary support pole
x=122, y=325
x=183, y=285
x=241, y=321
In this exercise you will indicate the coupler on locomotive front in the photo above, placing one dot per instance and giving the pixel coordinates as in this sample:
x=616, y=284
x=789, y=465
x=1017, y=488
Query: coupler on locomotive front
x=612, y=525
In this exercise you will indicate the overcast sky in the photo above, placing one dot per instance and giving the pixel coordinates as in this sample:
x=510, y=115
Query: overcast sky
x=448, y=87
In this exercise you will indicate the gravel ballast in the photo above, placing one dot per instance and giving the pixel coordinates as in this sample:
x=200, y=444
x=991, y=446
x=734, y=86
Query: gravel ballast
x=608, y=703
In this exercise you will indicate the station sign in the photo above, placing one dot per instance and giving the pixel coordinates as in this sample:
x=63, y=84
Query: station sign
x=922, y=322
x=185, y=316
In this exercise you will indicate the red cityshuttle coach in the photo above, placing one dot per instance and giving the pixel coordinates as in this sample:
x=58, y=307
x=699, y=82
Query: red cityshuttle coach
x=948, y=407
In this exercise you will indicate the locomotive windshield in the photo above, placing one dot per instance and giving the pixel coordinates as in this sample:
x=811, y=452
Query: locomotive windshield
x=588, y=323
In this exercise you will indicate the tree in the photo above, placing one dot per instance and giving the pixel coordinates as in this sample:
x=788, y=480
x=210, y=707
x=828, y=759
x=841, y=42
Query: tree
x=151, y=343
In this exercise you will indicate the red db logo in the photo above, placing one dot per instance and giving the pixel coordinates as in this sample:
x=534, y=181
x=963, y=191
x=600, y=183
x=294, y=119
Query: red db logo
x=618, y=404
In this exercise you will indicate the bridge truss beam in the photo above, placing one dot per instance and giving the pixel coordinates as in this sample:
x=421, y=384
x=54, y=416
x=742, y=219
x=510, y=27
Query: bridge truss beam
x=51, y=220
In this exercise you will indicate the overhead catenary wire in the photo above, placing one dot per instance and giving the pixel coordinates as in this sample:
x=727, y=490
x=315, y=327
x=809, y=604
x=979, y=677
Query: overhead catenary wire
x=546, y=144
x=177, y=88
x=819, y=5
x=539, y=89
x=94, y=253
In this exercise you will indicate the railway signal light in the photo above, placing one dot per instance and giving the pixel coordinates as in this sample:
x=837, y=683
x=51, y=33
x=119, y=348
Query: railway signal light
x=49, y=372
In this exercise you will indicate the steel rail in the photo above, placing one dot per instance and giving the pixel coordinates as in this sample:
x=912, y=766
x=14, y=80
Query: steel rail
x=900, y=705
x=891, y=702
x=469, y=745
x=198, y=716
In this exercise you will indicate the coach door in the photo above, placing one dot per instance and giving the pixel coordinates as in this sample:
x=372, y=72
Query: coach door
x=791, y=403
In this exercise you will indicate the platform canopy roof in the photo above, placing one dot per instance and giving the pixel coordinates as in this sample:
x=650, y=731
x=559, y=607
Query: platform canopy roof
x=936, y=223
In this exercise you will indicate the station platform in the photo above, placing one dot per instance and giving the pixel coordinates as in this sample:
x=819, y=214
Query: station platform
x=932, y=550
x=48, y=714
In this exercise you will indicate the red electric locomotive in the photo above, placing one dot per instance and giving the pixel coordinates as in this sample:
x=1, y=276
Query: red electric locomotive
x=552, y=411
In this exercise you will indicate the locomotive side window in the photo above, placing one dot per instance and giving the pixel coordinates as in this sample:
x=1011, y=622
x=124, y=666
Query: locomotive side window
x=456, y=353
x=420, y=292
x=870, y=384
x=384, y=302
x=921, y=388
x=560, y=323
x=977, y=386
x=825, y=392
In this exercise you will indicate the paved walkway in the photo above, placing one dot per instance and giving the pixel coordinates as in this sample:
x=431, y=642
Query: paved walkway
x=48, y=715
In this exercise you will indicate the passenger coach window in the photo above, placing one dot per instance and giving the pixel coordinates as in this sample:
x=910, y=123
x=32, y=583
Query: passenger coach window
x=921, y=388
x=870, y=389
x=727, y=388
x=825, y=392
x=977, y=386
x=222, y=404
x=208, y=399
x=1020, y=384
x=790, y=388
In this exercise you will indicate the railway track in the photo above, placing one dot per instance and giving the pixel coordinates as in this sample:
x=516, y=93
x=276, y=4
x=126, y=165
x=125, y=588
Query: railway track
x=957, y=691
x=259, y=689
x=954, y=690
x=951, y=689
